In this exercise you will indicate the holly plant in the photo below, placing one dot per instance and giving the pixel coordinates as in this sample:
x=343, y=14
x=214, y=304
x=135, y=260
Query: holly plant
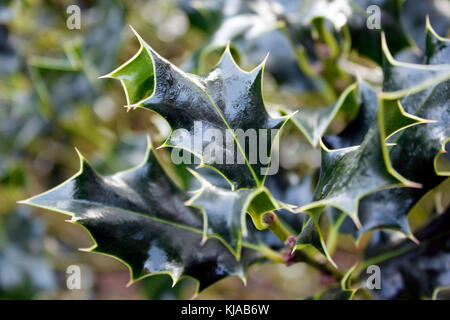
x=214, y=214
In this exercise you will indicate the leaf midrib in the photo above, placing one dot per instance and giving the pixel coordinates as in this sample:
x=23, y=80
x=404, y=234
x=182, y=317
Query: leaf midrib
x=232, y=132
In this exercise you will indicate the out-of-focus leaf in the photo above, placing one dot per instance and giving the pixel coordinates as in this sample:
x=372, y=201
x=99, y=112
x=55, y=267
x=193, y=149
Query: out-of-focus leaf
x=367, y=41
x=63, y=84
x=442, y=293
x=353, y=134
x=204, y=15
x=286, y=187
x=414, y=16
x=313, y=122
x=285, y=29
x=9, y=59
x=24, y=269
x=108, y=22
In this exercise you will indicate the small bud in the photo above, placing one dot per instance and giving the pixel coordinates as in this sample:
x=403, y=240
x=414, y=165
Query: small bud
x=290, y=242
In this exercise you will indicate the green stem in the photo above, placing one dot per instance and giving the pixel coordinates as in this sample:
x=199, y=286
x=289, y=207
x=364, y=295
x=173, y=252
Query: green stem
x=301, y=256
x=268, y=253
x=303, y=61
x=276, y=226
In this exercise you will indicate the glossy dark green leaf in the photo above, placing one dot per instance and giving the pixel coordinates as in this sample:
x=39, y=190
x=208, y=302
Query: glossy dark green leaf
x=402, y=79
x=395, y=119
x=354, y=133
x=139, y=217
x=311, y=234
x=225, y=211
x=287, y=187
x=419, y=145
x=378, y=210
x=349, y=174
x=225, y=100
x=410, y=271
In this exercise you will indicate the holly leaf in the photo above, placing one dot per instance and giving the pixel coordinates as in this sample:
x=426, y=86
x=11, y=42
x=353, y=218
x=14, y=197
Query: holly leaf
x=395, y=119
x=225, y=211
x=311, y=234
x=354, y=133
x=422, y=145
x=287, y=187
x=349, y=174
x=206, y=111
x=138, y=216
x=412, y=271
x=404, y=79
